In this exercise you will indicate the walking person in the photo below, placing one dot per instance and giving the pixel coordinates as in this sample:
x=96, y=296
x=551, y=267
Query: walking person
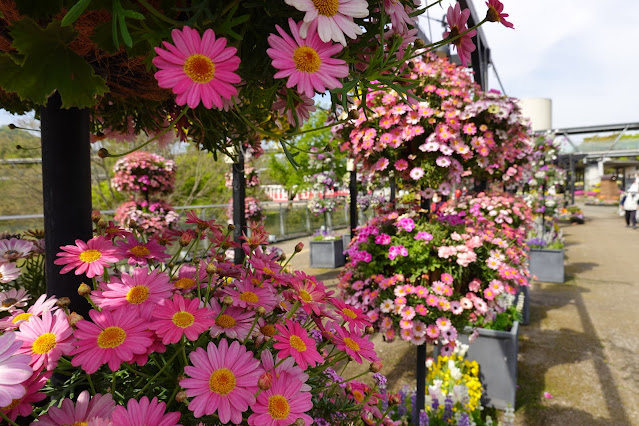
x=629, y=203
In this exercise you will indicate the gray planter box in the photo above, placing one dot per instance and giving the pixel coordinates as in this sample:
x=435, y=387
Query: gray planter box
x=327, y=254
x=547, y=265
x=346, y=240
x=496, y=353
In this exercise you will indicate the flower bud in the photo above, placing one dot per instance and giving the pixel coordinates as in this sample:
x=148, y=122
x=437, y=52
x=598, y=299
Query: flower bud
x=96, y=216
x=181, y=396
x=282, y=257
x=227, y=300
x=73, y=319
x=261, y=311
x=393, y=399
x=102, y=224
x=84, y=290
x=132, y=224
x=299, y=422
x=265, y=381
x=181, y=377
x=353, y=114
x=419, y=43
x=211, y=269
x=103, y=153
x=63, y=302
x=231, y=227
x=162, y=241
x=298, y=247
x=370, y=329
x=185, y=239
x=12, y=126
x=376, y=367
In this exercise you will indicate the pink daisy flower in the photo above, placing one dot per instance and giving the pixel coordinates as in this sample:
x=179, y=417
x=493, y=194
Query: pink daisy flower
x=286, y=366
x=246, y=295
x=401, y=165
x=354, y=316
x=443, y=323
x=354, y=345
x=432, y=331
x=9, y=272
x=282, y=404
x=90, y=257
x=234, y=322
x=85, y=409
x=13, y=298
x=223, y=380
x=417, y=173
x=139, y=252
x=310, y=293
x=14, y=249
x=177, y=317
x=457, y=20
x=333, y=19
x=14, y=369
x=307, y=63
x=112, y=231
x=24, y=406
x=495, y=13
x=110, y=338
x=293, y=340
x=143, y=290
x=144, y=413
x=197, y=70
x=46, y=339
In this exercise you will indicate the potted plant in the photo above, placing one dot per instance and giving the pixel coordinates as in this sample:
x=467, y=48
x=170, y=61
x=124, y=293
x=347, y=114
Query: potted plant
x=327, y=250
x=546, y=259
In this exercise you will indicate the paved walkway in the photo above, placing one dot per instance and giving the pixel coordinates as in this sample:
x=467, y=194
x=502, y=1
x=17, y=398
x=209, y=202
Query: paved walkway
x=582, y=345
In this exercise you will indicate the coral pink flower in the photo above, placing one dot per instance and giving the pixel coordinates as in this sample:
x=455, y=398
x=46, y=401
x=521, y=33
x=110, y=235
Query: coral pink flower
x=14, y=369
x=144, y=413
x=307, y=63
x=14, y=249
x=293, y=340
x=90, y=257
x=197, y=70
x=333, y=18
x=85, y=409
x=495, y=13
x=178, y=317
x=110, y=338
x=353, y=315
x=457, y=23
x=24, y=406
x=354, y=345
x=234, y=322
x=223, y=379
x=282, y=404
x=246, y=295
x=46, y=339
x=139, y=253
x=143, y=290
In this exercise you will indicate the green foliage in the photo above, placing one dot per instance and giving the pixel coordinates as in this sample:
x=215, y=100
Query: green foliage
x=45, y=63
x=10, y=139
x=503, y=321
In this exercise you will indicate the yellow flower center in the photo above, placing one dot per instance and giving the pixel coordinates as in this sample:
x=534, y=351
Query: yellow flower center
x=11, y=406
x=89, y=256
x=351, y=344
x=268, y=271
x=111, y=337
x=306, y=296
x=278, y=407
x=137, y=294
x=306, y=59
x=349, y=313
x=199, y=68
x=79, y=424
x=358, y=395
x=249, y=296
x=183, y=319
x=326, y=7
x=297, y=343
x=139, y=251
x=184, y=283
x=225, y=321
x=222, y=381
x=25, y=316
x=44, y=343
x=9, y=302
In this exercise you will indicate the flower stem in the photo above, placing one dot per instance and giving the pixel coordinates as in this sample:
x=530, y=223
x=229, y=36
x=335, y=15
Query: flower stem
x=141, y=391
x=9, y=421
x=90, y=384
x=160, y=15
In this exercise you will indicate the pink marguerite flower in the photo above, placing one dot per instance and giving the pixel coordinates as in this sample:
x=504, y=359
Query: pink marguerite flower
x=457, y=20
x=46, y=339
x=177, y=317
x=14, y=249
x=85, y=409
x=333, y=19
x=90, y=257
x=292, y=340
x=144, y=413
x=14, y=369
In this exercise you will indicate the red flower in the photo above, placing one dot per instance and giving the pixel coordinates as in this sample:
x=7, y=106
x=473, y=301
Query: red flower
x=457, y=20
x=494, y=14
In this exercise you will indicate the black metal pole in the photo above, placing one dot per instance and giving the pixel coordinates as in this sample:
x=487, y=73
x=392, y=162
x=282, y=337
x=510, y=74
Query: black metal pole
x=420, y=397
x=352, y=187
x=572, y=179
x=66, y=191
x=239, y=200
x=393, y=190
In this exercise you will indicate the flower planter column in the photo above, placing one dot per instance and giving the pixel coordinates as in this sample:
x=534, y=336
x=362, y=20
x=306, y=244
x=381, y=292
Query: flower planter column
x=66, y=189
x=239, y=198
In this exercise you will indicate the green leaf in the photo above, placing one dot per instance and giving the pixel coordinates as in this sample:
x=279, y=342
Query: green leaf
x=49, y=65
x=39, y=9
x=74, y=13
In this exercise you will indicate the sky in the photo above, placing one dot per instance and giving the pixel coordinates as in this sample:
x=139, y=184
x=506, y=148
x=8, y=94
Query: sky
x=579, y=53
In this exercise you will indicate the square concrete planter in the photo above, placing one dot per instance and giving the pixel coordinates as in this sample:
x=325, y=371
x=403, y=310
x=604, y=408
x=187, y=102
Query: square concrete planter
x=346, y=240
x=496, y=353
x=547, y=265
x=327, y=254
